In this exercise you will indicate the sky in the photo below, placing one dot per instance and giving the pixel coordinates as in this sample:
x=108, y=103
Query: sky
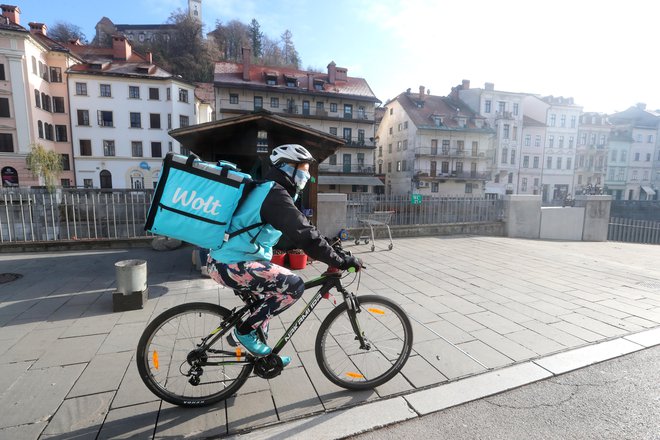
x=603, y=53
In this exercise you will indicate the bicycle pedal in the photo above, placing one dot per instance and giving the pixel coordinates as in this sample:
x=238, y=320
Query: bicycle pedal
x=231, y=340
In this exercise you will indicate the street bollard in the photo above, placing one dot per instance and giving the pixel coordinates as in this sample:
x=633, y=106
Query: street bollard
x=132, y=288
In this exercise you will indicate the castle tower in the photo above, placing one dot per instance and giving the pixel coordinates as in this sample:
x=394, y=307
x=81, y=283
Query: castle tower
x=195, y=9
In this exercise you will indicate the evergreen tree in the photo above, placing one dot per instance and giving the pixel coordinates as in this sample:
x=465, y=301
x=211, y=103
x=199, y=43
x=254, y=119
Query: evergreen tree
x=256, y=37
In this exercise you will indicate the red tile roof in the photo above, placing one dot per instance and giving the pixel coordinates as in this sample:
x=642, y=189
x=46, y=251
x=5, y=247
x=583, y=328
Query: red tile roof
x=228, y=74
x=204, y=92
x=421, y=111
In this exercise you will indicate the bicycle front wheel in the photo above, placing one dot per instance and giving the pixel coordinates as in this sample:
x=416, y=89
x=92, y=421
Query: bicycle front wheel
x=386, y=343
x=173, y=368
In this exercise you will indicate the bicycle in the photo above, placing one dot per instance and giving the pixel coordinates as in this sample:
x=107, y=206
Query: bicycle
x=187, y=356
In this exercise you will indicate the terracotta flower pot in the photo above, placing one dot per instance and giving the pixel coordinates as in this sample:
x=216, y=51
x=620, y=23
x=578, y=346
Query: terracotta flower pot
x=278, y=259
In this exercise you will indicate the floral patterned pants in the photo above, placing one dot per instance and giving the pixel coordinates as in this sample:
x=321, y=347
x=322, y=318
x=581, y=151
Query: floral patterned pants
x=279, y=286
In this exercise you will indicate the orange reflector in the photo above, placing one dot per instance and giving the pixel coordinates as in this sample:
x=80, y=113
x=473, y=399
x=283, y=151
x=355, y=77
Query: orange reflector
x=238, y=353
x=154, y=359
x=377, y=311
x=355, y=375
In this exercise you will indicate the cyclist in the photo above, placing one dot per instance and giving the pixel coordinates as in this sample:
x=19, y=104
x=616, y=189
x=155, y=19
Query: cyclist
x=243, y=263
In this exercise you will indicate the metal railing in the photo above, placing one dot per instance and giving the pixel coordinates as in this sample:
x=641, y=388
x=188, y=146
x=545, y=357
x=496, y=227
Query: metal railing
x=347, y=168
x=431, y=210
x=72, y=214
x=633, y=231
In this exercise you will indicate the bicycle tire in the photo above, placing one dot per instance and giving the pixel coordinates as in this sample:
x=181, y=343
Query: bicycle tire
x=387, y=328
x=168, y=333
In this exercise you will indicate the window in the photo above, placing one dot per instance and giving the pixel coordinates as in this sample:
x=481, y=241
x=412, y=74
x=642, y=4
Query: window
x=85, y=147
x=573, y=121
x=106, y=90
x=6, y=143
x=506, y=131
x=444, y=167
x=460, y=147
x=108, y=148
x=37, y=98
x=81, y=89
x=551, y=141
x=510, y=178
x=4, y=108
x=638, y=138
x=105, y=118
x=305, y=108
x=468, y=188
x=389, y=148
x=648, y=157
x=537, y=140
x=398, y=146
x=134, y=92
x=650, y=139
x=445, y=146
x=169, y=121
x=559, y=163
x=404, y=144
x=66, y=183
x=459, y=168
x=333, y=159
x=528, y=140
x=83, y=117
x=360, y=138
x=523, y=186
x=561, y=141
x=61, y=133
x=400, y=126
x=40, y=127
x=45, y=102
x=348, y=134
x=136, y=120
x=391, y=111
x=136, y=149
x=475, y=148
x=55, y=74
x=333, y=107
x=156, y=149
x=258, y=102
x=58, y=104
x=360, y=161
x=513, y=157
x=563, y=121
x=154, y=120
x=34, y=66
x=636, y=157
x=154, y=93
x=624, y=155
x=435, y=187
x=515, y=108
x=333, y=131
x=487, y=105
x=389, y=167
x=348, y=111
x=183, y=95
x=184, y=121
x=613, y=159
x=501, y=106
x=583, y=139
x=105, y=177
x=233, y=98
x=275, y=103
x=569, y=163
x=168, y=94
x=505, y=155
x=398, y=165
x=553, y=120
x=525, y=161
x=571, y=140
x=536, y=162
x=66, y=163
x=602, y=140
x=88, y=183
x=549, y=163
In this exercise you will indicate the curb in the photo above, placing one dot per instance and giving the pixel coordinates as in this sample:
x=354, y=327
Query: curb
x=339, y=424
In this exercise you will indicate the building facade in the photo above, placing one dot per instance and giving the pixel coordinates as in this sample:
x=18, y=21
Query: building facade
x=530, y=172
x=122, y=106
x=331, y=102
x=434, y=146
x=592, y=152
x=34, y=107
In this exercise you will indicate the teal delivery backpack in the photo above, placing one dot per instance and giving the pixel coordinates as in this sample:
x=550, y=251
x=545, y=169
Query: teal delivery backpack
x=194, y=200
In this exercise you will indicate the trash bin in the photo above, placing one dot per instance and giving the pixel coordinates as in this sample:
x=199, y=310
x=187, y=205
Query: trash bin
x=132, y=289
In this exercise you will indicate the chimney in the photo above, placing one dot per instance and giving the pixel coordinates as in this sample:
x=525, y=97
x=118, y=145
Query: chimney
x=38, y=28
x=13, y=13
x=466, y=84
x=332, y=72
x=421, y=92
x=150, y=57
x=489, y=86
x=246, y=53
x=641, y=106
x=121, y=48
x=310, y=81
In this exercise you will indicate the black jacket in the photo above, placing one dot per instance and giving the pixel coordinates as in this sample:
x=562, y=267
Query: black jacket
x=279, y=211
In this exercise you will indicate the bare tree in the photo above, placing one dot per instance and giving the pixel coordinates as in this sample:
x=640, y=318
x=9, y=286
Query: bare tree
x=63, y=32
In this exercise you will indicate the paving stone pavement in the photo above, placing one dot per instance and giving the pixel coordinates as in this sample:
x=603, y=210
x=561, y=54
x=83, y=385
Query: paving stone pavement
x=478, y=304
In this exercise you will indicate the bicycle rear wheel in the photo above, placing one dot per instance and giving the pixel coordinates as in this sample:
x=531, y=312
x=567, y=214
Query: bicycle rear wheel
x=172, y=369
x=388, y=341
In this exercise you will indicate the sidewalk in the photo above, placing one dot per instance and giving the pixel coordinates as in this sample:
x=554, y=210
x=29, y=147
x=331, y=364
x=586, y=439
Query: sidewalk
x=67, y=366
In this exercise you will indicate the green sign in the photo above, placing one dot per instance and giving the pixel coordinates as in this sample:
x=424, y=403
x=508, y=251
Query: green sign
x=416, y=199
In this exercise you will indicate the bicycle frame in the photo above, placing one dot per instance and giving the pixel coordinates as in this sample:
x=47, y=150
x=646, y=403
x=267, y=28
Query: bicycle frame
x=327, y=281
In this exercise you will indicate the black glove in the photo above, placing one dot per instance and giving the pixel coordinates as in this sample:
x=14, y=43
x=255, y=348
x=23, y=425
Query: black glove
x=352, y=262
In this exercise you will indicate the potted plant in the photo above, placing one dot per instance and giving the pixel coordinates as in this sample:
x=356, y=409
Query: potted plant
x=297, y=259
x=279, y=256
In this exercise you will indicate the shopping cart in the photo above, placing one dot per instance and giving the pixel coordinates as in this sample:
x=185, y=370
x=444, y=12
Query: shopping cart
x=374, y=220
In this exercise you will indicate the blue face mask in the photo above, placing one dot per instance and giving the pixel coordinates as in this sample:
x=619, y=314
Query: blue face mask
x=300, y=177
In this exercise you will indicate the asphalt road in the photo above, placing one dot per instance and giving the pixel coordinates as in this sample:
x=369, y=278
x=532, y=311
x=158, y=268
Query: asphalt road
x=617, y=399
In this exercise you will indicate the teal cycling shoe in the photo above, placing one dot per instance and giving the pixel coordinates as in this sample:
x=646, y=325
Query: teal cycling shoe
x=286, y=360
x=253, y=344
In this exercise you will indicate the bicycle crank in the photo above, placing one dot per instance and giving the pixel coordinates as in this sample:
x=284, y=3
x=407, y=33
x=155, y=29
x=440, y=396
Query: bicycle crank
x=268, y=367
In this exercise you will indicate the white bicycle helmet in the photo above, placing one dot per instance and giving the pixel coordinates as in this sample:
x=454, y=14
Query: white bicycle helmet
x=292, y=153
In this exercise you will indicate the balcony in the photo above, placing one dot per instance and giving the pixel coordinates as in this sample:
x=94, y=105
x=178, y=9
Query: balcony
x=443, y=152
x=430, y=174
x=360, y=143
x=347, y=168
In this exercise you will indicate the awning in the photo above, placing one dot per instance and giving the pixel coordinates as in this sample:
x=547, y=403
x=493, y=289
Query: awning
x=648, y=190
x=350, y=180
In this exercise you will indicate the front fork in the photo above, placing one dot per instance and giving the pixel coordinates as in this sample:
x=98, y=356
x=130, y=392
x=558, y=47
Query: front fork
x=353, y=306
